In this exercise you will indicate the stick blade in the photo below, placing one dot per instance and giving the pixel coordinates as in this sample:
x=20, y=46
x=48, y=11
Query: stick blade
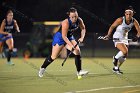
x=64, y=61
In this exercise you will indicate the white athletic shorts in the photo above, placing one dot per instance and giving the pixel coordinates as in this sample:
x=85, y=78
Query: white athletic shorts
x=116, y=41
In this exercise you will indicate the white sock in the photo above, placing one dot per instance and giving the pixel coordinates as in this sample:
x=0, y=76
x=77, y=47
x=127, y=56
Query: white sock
x=120, y=54
x=116, y=67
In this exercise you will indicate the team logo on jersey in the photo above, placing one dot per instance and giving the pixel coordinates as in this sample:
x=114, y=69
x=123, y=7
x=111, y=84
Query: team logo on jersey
x=126, y=28
x=9, y=27
x=73, y=28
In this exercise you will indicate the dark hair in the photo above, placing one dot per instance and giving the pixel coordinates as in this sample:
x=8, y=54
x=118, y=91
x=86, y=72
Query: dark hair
x=72, y=9
x=9, y=11
x=130, y=8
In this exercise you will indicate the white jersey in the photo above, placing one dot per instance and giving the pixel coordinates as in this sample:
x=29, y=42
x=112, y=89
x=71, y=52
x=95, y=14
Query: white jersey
x=123, y=29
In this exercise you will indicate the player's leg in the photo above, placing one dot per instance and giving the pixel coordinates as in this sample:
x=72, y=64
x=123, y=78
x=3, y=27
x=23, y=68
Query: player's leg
x=1, y=49
x=10, y=44
x=2, y=54
x=123, y=58
x=121, y=61
x=78, y=62
x=77, y=55
x=55, y=52
x=56, y=49
x=57, y=46
x=122, y=53
x=1, y=44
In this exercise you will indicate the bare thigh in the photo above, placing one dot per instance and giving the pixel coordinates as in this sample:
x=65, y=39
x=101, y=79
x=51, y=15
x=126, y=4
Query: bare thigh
x=56, y=51
x=1, y=47
x=10, y=43
x=122, y=47
x=77, y=49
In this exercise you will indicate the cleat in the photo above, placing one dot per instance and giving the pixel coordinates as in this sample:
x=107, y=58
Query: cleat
x=10, y=63
x=82, y=73
x=120, y=71
x=117, y=71
x=41, y=72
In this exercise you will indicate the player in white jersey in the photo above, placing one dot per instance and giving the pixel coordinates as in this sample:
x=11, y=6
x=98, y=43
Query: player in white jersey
x=121, y=33
x=120, y=38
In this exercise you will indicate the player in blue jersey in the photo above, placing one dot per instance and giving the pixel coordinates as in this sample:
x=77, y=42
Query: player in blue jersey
x=6, y=29
x=64, y=38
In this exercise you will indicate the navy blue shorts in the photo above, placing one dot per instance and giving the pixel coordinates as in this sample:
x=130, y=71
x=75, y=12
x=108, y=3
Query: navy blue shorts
x=4, y=37
x=57, y=39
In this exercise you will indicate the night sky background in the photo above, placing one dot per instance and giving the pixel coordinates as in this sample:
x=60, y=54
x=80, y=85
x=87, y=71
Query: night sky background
x=105, y=11
x=96, y=14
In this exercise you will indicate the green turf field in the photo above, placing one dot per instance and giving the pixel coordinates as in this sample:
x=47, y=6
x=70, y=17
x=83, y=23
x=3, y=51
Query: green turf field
x=23, y=77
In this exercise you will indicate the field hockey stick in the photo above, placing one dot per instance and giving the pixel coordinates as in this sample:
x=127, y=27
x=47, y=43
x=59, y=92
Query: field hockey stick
x=103, y=38
x=70, y=53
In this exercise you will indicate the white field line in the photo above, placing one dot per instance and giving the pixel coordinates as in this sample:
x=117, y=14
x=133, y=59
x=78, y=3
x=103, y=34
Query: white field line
x=105, y=88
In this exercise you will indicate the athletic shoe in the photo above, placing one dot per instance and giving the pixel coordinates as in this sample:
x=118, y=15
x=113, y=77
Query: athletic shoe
x=41, y=72
x=120, y=71
x=10, y=63
x=117, y=71
x=82, y=72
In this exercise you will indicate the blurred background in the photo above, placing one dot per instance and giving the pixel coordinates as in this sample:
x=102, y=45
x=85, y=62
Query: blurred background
x=39, y=20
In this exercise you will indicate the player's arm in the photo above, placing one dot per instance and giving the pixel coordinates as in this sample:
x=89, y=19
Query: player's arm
x=2, y=28
x=83, y=30
x=16, y=26
x=137, y=26
x=114, y=25
x=65, y=27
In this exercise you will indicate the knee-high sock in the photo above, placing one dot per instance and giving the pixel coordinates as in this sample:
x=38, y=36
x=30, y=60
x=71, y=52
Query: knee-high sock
x=115, y=61
x=47, y=61
x=9, y=55
x=119, y=54
x=78, y=62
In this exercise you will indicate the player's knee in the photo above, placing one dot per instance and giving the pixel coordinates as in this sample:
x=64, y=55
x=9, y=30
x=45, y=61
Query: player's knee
x=125, y=53
x=53, y=57
x=77, y=51
x=11, y=47
x=50, y=59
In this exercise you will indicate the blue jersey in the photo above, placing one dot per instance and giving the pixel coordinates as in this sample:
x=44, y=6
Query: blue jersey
x=57, y=39
x=72, y=27
x=9, y=27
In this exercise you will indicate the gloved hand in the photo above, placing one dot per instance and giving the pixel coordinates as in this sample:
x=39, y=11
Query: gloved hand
x=106, y=37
